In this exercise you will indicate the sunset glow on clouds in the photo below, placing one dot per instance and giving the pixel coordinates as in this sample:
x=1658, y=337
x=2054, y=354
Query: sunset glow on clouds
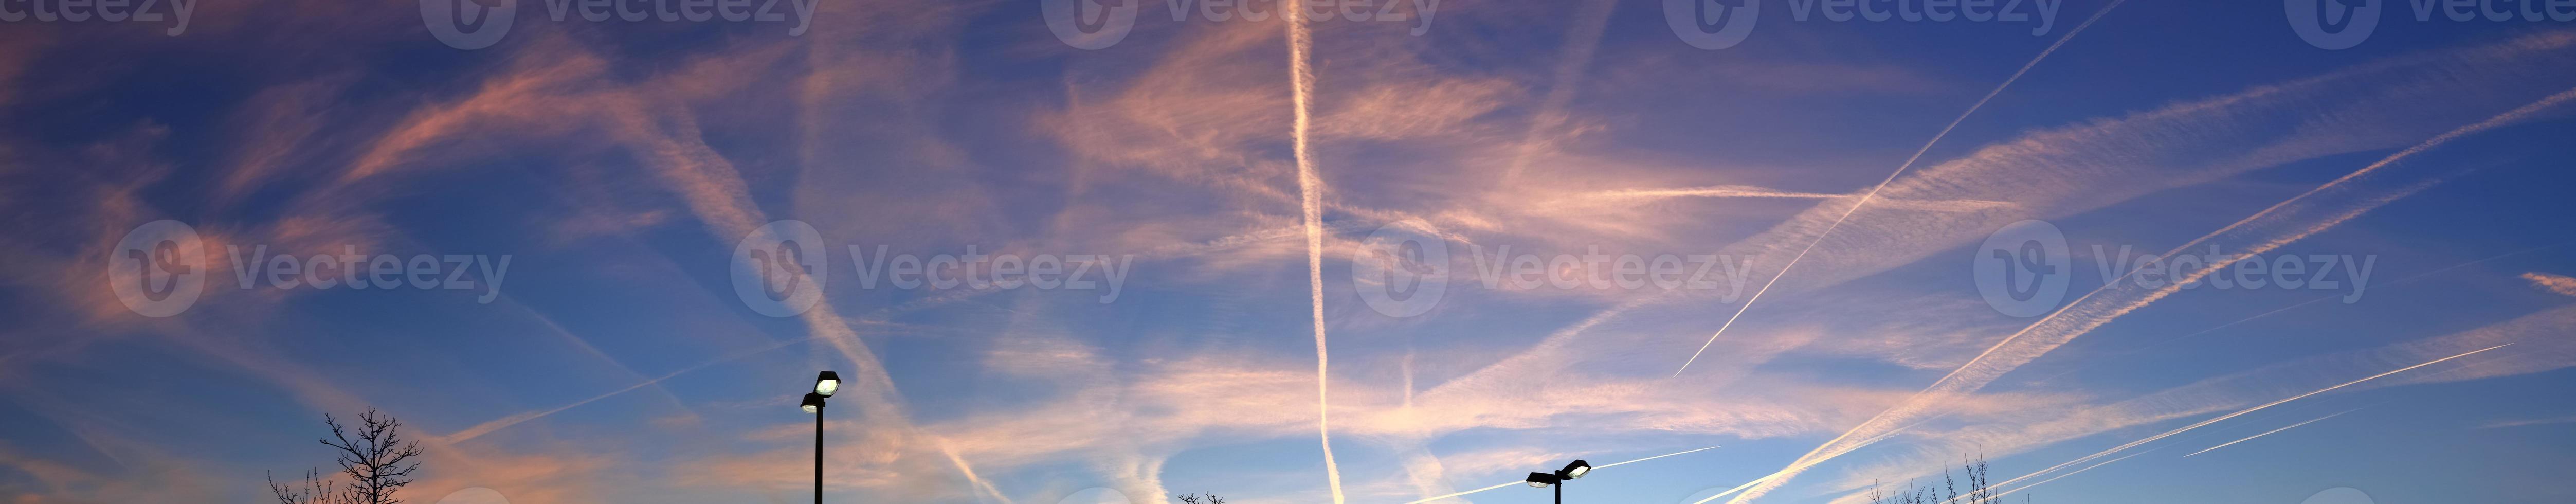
x=1052, y=266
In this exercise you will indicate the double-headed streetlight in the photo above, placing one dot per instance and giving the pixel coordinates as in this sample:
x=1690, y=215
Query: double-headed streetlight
x=1557, y=479
x=824, y=385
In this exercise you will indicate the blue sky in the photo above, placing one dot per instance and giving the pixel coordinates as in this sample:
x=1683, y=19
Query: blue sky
x=1845, y=184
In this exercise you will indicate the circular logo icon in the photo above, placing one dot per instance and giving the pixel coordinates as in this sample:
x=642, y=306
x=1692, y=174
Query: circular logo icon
x=2023, y=268
x=2340, y=495
x=2333, y=24
x=476, y=495
x=1096, y=495
x=1402, y=269
x=468, y=24
x=1086, y=24
x=1708, y=24
x=158, y=269
x=779, y=269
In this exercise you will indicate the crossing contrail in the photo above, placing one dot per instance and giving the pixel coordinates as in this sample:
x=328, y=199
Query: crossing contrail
x=2058, y=328
x=1891, y=177
x=1776, y=475
x=2267, y=433
x=1301, y=91
x=969, y=471
x=1598, y=467
x=2150, y=439
x=1615, y=464
x=505, y=422
x=1464, y=493
x=1991, y=498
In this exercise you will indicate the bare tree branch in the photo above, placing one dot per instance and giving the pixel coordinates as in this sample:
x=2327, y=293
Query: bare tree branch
x=377, y=460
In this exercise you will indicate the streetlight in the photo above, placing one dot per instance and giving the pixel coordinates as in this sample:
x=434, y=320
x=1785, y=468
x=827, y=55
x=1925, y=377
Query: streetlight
x=824, y=385
x=1557, y=479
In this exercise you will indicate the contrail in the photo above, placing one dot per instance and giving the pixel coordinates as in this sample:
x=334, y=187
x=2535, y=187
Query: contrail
x=1616, y=464
x=1301, y=80
x=1980, y=370
x=1891, y=177
x=969, y=471
x=2269, y=432
x=1746, y=191
x=2068, y=473
x=2150, y=439
x=1598, y=467
x=1775, y=475
x=1464, y=493
x=1581, y=42
x=505, y=422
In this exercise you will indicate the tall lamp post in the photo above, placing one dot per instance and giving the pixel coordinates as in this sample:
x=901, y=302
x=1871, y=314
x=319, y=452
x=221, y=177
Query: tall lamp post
x=824, y=385
x=1557, y=479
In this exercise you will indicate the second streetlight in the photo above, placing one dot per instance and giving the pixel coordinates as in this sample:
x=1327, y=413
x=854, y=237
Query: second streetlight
x=1557, y=479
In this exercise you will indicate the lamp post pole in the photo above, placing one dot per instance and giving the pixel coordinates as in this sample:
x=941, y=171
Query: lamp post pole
x=818, y=455
x=825, y=384
x=1560, y=477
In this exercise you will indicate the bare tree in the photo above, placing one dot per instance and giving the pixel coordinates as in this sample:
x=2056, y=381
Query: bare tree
x=1980, y=490
x=314, y=490
x=1195, y=499
x=374, y=458
x=378, y=461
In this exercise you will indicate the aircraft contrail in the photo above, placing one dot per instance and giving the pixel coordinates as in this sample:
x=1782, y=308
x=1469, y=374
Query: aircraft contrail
x=1464, y=493
x=1616, y=464
x=1598, y=467
x=2068, y=473
x=1775, y=475
x=2150, y=439
x=1301, y=80
x=505, y=422
x=1891, y=177
x=1581, y=42
x=2269, y=432
x=969, y=471
x=1971, y=376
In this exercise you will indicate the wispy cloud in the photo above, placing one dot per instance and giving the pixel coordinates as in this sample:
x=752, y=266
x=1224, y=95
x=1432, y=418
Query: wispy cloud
x=2528, y=421
x=2560, y=284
